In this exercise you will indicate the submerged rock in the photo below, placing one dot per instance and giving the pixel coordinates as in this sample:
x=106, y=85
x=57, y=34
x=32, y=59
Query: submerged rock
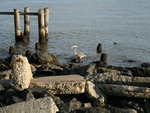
x=13, y=100
x=147, y=65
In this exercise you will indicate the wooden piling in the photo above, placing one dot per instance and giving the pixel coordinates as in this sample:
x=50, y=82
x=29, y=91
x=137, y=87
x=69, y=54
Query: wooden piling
x=17, y=25
x=26, y=23
x=41, y=24
x=46, y=19
x=104, y=58
x=99, y=48
x=43, y=21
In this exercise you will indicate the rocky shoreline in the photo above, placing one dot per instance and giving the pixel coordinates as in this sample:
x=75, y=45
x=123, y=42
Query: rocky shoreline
x=91, y=88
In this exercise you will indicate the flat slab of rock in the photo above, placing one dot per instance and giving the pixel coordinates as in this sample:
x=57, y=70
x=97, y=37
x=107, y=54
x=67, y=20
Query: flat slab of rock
x=43, y=105
x=125, y=90
x=66, y=84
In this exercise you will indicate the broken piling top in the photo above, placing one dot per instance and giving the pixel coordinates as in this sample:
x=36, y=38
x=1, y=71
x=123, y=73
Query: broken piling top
x=99, y=48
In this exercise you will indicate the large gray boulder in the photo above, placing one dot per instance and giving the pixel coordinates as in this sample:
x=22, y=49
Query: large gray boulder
x=43, y=105
x=21, y=71
x=43, y=58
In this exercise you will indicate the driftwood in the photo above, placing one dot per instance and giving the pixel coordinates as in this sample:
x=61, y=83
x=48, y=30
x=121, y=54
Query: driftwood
x=125, y=90
x=122, y=80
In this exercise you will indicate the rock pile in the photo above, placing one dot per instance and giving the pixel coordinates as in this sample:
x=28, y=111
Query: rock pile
x=75, y=89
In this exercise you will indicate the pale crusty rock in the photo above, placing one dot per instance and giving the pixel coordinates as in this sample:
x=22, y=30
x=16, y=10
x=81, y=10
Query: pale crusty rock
x=21, y=70
x=125, y=90
x=42, y=105
x=66, y=84
x=92, y=91
x=120, y=79
x=94, y=94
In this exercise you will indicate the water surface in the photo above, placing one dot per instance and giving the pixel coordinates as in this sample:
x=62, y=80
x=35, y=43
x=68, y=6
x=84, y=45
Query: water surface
x=86, y=23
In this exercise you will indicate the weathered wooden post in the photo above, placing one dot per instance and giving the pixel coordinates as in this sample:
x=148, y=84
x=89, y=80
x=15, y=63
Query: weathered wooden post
x=46, y=19
x=17, y=25
x=99, y=48
x=104, y=58
x=41, y=24
x=27, y=23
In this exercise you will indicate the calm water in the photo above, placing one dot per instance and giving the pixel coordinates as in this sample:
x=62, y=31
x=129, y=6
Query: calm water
x=86, y=23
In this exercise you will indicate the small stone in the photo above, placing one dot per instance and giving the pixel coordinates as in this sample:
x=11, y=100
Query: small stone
x=147, y=106
x=92, y=110
x=27, y=95
x=33, y=69
x=36, y=91
x=100, y=102
x=28, y=54
x=1, y=98
x=71, y=106
x=9, y=92
x=12, y=50
x=37, y=46
x=1, y=89
x=13, y=100
x=87, y=104
x=147, y=65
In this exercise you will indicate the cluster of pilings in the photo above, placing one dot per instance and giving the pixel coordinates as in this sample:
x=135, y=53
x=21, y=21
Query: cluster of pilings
x=43, y=21
x=103, y=58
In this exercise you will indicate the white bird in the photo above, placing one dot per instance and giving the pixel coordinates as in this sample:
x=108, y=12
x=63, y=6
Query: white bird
x=80, y=55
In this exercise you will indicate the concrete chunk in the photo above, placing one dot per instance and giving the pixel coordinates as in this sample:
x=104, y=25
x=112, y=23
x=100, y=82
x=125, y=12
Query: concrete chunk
x=43, y=105
x=67, y=84
x=21, y=70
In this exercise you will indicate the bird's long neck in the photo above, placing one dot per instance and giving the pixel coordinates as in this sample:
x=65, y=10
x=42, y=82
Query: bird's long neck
x=75, y=50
